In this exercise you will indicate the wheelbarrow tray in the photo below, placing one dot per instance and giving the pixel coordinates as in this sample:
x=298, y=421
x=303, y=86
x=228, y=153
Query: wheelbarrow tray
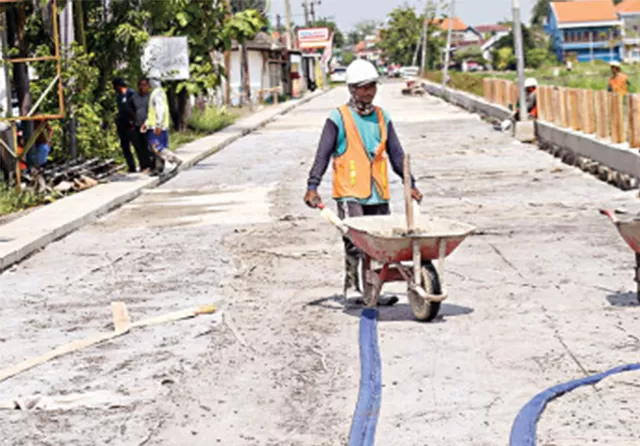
x=628, y=227
x=384, y=238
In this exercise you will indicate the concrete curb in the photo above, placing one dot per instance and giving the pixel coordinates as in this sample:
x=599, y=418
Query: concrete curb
x=614, y=163
x=22, y=237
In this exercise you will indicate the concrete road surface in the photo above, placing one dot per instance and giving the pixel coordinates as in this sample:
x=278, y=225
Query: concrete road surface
x=541, y=295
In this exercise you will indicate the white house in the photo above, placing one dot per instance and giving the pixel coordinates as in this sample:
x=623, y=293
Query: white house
x=629, y=12
x=266, y=67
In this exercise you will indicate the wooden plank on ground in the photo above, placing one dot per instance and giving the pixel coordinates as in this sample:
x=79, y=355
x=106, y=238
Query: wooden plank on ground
x=99, y=338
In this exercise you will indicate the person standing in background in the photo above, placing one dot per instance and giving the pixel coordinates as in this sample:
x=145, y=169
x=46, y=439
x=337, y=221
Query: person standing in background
x=138, y=111
x=618, y=82
x=157, y=128
x=124, y=126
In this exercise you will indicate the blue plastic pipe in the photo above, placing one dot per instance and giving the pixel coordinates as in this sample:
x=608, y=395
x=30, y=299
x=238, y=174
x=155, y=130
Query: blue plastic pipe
x=523, y=431
x=365, y=418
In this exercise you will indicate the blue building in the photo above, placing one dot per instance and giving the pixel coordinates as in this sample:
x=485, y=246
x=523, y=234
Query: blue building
x=585, y=30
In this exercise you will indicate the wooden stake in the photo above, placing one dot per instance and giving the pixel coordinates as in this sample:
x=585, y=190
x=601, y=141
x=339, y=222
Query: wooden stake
x=541, y=104
x=513, y=89
x=573, y=108
x=602, y=115
x=617, y=118
x=590, y=122
x=634, y=124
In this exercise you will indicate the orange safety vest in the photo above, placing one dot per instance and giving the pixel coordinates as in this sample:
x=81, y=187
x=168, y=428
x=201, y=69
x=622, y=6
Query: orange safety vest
x=618, y=83
x=354, y=172
x=19, y=152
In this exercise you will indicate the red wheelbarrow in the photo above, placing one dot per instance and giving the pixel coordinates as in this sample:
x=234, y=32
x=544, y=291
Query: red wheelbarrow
x=629, y=228
x=393, y=241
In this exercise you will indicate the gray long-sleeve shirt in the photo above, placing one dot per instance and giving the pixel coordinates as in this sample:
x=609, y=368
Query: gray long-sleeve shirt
x=328, y=147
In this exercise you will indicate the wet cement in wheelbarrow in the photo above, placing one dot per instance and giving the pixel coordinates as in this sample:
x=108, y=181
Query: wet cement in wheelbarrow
x=395, y=226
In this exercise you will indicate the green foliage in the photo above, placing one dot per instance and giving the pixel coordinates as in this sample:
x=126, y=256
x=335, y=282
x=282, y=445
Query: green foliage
x=402, y=34
x=399, y=41
x=471, y=53
x=471, y=83
x=210, y=120
x=338, y=37
x=541, y=11
x=539, y=57
x=11, y=200
x=504, y=58
x=347, y=58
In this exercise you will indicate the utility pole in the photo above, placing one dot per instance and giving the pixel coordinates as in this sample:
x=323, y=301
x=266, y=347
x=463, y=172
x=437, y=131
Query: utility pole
x=245, y=83
x=305, y=6
x=279, y=24
x=287, y=4
x=517, y=39
x=313, y=13
x=445, y=73
x=425, y=27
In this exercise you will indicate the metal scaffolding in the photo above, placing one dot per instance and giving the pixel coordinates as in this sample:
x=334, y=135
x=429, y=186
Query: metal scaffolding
x=31, y=116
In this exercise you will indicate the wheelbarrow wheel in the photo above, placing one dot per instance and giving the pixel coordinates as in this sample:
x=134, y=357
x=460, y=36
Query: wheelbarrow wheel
x=422, y=309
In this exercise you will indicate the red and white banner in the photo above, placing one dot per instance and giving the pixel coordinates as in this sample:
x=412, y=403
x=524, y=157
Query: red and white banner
x=327, y=54
x=310, y=38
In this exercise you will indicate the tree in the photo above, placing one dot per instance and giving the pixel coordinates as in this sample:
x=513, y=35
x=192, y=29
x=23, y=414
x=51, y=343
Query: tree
x=347, y=58
x=338, y=37
x=353, y=38
x=541, y=11
x=504, y=58
x=399, y=40
x=528, y=44
x=366, y=28
x=112, y=45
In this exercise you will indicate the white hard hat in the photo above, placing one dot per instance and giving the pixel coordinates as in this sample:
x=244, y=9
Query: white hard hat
x=530, y=82
x=615, y=64
x=361, y=72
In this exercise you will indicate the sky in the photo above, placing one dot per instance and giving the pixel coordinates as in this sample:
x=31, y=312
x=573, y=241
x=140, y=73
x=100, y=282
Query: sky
x=347, y=13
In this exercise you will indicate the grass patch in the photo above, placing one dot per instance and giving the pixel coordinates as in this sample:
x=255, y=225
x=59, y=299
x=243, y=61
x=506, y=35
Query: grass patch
x=210, y=120
x=471, y=83
x=591, y=76
x=11, y=200
x=177, y=139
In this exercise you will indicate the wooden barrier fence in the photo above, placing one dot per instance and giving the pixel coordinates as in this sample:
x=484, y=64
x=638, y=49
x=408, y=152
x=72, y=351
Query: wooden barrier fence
x=606, y=115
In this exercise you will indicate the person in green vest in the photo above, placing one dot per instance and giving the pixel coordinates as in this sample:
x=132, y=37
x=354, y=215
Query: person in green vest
x=157, y=128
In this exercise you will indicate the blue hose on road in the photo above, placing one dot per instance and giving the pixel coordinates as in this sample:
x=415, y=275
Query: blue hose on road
x=365, y=418
x=523, y=432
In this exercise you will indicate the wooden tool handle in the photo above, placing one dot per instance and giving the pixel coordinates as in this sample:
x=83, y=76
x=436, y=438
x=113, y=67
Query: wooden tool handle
x=407, y=193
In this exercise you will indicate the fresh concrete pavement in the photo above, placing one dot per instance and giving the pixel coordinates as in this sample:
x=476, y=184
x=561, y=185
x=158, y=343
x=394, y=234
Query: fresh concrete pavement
x=539, y=296
x=26, y=235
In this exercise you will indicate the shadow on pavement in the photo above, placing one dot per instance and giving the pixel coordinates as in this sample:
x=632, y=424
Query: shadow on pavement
x=623, y=299
x=395, y=313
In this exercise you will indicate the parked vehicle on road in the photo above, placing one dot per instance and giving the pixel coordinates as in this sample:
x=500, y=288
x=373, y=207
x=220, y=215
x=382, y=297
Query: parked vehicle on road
x=410, y=71
x=339, y=75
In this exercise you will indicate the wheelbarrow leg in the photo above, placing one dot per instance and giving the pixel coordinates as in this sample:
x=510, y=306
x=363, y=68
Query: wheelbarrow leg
x=637, y=277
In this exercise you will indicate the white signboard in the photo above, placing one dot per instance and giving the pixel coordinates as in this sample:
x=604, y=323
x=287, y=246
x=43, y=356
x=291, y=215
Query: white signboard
x=167, y=56
x=309, y=38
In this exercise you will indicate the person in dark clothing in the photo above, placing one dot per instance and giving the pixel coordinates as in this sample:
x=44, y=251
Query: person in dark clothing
x=123, y=123
x=138, y=110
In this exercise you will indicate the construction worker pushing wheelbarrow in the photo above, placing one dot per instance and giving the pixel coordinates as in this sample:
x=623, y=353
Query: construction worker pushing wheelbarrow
x=361, y=139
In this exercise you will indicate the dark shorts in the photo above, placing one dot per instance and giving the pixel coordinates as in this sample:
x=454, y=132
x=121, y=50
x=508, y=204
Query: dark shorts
x=355, y=209
x=158, y=142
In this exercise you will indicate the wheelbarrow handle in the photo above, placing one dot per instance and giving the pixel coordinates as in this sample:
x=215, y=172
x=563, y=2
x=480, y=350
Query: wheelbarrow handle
x=610, y=214
x=332, y=218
